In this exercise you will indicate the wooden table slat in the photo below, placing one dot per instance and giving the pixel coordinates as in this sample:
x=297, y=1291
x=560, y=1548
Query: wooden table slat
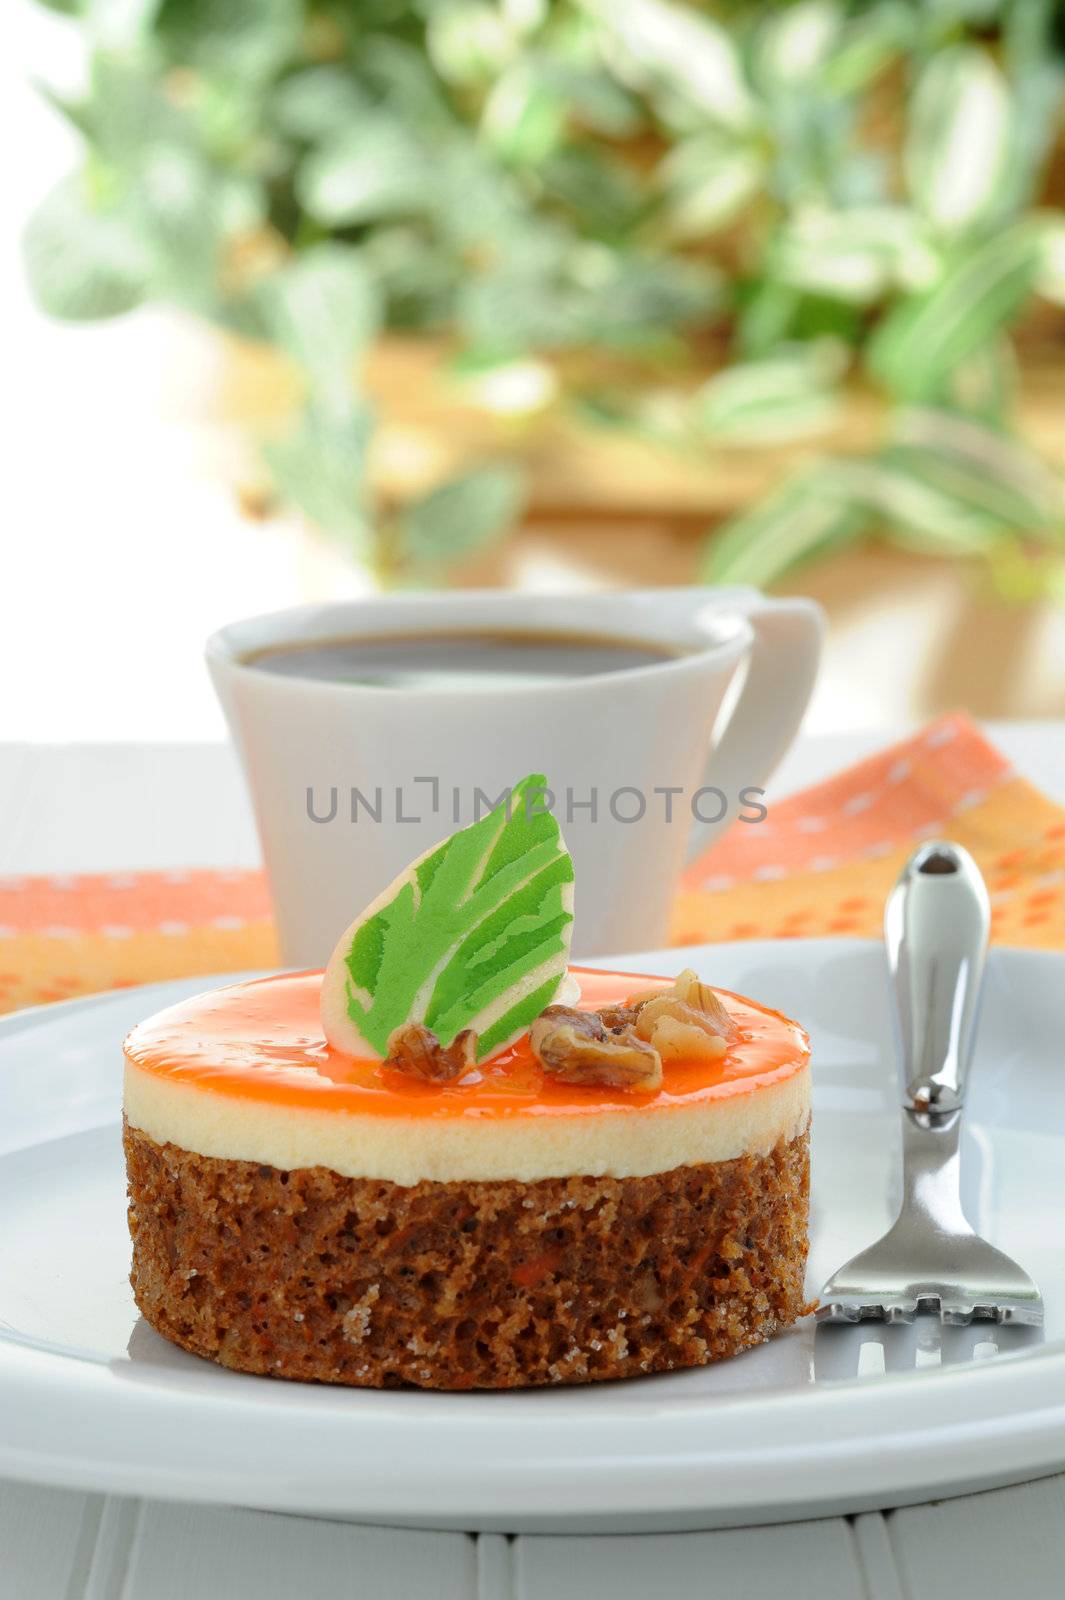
x=116, y=1534
x=1008, y=1542
x=804, y=1560
x=204, y=1553
x=47, y=1539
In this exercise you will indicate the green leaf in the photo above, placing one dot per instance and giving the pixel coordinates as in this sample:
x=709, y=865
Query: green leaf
x=943, y=485
x=959, y=139
x=765, y=316
x=1032, y=59
x=542, y=288
x=762, y=403
x=180, y=205
x=374, y=170
x=231, y=36
x=321, y=469
x=979, y=467
x=324, y=310
x=318, y=103
x=808, y=515
x=517, y=308
x=919, y=513
x=401, y=76
x=867, y=44
x=855, y=255
x=594, y=99
x=479, y=214
x=794, y=45
x=630, y=299
x=926, y=336
x=474, y=934
x=119, y=25
x=468, y=41
x=675, y=47
x=128, y=113
x=524, y=117
x=83, y=264
x=707, y=181
x=227, y=125
x=526, y=17
x=417, y=285
x=601, y=194
x=461, y=516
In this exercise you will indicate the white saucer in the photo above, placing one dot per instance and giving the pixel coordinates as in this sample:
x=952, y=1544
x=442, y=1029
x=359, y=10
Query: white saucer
x=818, y=1422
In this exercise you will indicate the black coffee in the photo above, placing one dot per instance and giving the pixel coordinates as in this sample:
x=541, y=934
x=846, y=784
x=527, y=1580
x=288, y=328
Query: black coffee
x=455, y=660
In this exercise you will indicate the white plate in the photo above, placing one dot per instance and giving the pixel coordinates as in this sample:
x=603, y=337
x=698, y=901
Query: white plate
x=819, y=1421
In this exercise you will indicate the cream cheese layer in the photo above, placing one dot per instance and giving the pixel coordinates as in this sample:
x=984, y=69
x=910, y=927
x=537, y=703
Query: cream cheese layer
x=244, y=1073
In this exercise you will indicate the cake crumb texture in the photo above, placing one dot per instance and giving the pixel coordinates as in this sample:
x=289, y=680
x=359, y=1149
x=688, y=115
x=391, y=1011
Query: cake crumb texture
x=494, y=1285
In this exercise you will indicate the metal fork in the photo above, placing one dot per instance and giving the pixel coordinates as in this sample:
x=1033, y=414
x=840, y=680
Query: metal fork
x=936, y=929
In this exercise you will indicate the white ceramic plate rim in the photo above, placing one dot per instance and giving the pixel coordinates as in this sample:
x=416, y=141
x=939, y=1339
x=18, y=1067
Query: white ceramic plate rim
x=431, y=1458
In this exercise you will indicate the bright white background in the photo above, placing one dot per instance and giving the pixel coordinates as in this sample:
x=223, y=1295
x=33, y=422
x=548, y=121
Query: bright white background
x=122, y=546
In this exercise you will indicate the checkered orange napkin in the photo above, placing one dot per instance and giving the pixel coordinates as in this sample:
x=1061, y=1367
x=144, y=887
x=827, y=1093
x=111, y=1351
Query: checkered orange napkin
x=821, y=863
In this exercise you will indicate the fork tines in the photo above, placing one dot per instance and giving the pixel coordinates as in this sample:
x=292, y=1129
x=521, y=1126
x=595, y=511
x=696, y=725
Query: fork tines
x=952, y=1312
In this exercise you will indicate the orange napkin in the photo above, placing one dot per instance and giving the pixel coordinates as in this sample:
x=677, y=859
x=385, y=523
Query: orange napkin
x=822, y=863
x=824, y=860
x=66, y=935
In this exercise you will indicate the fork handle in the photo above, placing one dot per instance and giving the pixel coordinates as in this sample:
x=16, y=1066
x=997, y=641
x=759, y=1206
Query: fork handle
x=936, y=926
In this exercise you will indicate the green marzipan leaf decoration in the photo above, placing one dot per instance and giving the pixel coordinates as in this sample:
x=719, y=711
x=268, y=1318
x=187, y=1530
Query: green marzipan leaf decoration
x=475, y=934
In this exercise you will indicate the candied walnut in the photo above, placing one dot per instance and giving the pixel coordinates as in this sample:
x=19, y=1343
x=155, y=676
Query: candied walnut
x=677, y=1030
x=575, y=1047
x=641, y=997
x=617, y=1018
x=683, y=1041
x=700, y=1004
x=415, y=1050
x=691, y=991
x=589, y=1024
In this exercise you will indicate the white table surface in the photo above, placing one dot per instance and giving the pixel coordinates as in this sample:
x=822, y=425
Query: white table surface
x=103, y=808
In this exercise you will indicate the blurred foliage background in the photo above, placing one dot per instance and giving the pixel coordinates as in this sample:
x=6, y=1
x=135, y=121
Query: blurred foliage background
x=704, y=225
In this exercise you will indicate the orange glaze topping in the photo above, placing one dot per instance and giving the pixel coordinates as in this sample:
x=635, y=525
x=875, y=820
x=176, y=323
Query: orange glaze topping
x=263, y=1041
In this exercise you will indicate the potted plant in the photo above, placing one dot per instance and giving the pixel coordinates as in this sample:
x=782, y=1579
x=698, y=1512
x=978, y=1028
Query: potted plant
x=689, y=232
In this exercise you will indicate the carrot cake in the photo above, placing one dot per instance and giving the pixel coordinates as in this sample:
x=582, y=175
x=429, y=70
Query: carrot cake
x=455, y=1161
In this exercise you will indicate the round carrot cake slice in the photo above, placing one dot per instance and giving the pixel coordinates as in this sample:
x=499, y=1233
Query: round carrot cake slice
x=332, y=1177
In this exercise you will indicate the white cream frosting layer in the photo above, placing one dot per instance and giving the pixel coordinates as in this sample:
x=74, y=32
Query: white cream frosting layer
x=627, y=1143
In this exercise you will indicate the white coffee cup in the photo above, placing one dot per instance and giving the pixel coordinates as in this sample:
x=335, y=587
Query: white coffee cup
x=642, y=743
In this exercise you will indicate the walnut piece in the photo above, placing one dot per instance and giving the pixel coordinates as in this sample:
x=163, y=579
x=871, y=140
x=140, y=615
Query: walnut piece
x=677, y=1030
x=576, y=1047
x=414, y=1050
x=697, y=999
x=685, y=1021
x=691, y=991
x=617, y=1018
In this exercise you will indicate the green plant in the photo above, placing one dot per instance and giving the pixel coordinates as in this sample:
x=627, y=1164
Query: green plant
x=820, y=192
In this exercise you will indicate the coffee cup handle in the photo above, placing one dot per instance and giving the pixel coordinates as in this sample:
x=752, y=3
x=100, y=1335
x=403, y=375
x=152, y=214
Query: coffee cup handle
x=781, y=672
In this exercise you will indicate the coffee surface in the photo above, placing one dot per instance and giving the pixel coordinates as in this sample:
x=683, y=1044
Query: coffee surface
x=455, y=660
